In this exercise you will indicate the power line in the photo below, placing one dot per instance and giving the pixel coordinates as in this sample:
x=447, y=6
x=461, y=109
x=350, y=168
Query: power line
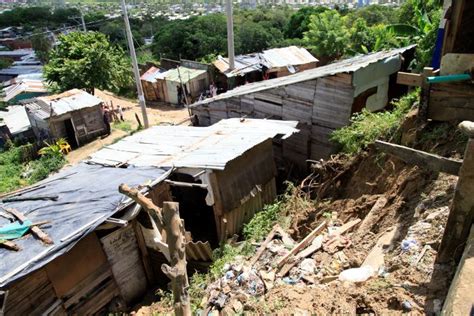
x=93, y=23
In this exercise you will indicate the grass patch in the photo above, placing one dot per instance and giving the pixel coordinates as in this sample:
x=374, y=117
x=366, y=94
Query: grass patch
x=19, y=166
x=125, y=126
x=366, y=127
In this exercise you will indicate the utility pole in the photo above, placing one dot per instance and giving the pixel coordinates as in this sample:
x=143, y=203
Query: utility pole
x=136, y=72
x=83, y=22
x=230, y=35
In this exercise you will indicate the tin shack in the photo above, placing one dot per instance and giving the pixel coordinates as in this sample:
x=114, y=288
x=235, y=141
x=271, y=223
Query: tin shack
x=75, y=115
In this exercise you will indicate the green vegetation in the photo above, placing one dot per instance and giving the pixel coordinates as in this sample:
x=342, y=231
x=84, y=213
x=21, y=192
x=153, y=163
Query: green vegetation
x=5, y=63
x=87, y=61
x=327, y=37
x=125, y=126
x=38, y=16
x=19, y=168
x=42, y=46
x=329, y=34
x=366, y=127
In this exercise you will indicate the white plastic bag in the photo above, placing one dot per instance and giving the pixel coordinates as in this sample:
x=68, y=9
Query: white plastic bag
x=361, y=274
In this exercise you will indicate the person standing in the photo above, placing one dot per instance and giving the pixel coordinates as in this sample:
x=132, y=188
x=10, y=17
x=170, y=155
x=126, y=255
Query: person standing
x=120, y=112
x=180, y=95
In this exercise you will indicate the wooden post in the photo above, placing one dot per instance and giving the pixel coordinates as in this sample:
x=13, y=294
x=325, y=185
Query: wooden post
x=168, y=217
x=146, y=203
x=177, y=271
x=461, y=214
x=425, y=93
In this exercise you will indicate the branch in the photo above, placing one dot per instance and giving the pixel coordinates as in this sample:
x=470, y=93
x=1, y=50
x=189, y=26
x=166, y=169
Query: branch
x=146, y=203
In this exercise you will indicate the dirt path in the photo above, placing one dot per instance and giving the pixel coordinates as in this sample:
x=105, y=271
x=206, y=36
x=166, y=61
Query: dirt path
x=156, y=114
x=162, y=114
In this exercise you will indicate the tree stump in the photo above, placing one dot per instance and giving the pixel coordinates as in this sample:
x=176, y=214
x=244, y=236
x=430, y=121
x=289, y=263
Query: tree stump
x=177, y=271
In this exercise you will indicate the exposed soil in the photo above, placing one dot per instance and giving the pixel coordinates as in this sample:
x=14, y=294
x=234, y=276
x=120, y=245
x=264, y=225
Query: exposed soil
x=391, y=198
x=417, y=207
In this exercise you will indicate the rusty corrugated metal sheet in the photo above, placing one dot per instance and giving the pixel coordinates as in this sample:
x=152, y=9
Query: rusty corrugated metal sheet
x=255, y=202
x=209, y=147
x=198, y=251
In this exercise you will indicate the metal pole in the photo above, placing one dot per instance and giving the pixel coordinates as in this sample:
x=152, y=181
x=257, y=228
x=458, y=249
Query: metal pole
x=230, y=35
x=136, y=72
x=83, y=22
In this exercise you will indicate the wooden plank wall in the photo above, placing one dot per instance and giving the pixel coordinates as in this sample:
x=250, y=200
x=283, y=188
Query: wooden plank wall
x=319, y=105
x=121, y=249
x=81, y=274
x=451, y=101
x=32, y=295
x=79, y=282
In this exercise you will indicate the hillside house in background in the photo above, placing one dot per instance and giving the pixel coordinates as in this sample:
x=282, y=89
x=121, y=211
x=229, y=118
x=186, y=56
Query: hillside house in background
x=321, y=99
x=272, y=63
x=162, y=85
x=107, y=250
x=75, y=115
x=16, y=119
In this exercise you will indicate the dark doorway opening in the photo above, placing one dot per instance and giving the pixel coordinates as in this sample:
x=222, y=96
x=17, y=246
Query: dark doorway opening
x=71, y=133
x=197, y=215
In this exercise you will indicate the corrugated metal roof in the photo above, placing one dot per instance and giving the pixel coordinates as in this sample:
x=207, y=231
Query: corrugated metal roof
x=173, y=75
x=21, y=70
x=287, y=56
x=17, y=87
x=343, y=66
x=198, y=251
x=186, y=74
x=152, y=74
x=17, y=52
x=194, y=147
x=243, y=64
x=59, y=104
x=16, y=119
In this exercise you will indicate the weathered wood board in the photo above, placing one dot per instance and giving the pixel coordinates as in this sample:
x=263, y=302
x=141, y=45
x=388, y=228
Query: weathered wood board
x=122, y=251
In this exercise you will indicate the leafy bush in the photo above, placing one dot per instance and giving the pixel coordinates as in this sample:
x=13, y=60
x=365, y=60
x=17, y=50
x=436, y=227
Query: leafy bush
x=18, y=167
x=261, y=224
x=44, y=166
x=366, y=126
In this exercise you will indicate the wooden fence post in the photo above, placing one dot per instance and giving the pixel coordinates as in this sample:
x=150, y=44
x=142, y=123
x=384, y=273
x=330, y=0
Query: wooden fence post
x=168, y=218
x=177, y=271
x=462, y=209
x=425, y=92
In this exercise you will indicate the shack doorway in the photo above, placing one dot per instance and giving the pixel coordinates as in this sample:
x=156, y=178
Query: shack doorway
x=70, y=133
x=197, y=215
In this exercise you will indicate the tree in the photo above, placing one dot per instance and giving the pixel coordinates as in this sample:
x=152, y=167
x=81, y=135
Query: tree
x=87, y=61
x=42, y=45
x=299, y=21
x=360, y=37
x=253, y=37
x=327, y=37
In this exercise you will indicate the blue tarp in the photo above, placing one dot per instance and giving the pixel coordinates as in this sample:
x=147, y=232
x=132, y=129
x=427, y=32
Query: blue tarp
x=87, y=196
